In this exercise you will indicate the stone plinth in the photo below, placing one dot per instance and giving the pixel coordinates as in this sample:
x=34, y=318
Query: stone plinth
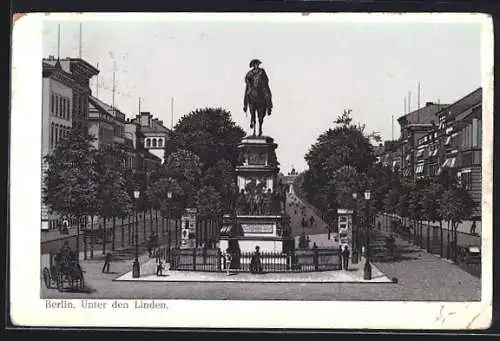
x=259, y=219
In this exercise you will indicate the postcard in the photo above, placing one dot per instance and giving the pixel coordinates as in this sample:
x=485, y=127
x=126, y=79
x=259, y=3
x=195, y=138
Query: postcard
x=238, y=170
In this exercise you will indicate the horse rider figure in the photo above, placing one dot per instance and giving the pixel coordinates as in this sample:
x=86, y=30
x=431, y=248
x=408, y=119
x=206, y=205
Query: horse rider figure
x=258, y=96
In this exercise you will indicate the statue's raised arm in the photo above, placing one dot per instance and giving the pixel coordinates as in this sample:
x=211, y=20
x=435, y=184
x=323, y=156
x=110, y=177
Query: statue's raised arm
x=257, y=96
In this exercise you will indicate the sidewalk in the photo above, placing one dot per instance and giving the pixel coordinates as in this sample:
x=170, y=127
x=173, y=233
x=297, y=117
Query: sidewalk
x=463, y=227
x=354, y=275
x=55, y=234
x=422, y=274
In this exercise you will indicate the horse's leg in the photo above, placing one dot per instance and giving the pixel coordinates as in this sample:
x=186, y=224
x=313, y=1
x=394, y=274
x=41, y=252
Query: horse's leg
x=252, y=119
x=262, y=113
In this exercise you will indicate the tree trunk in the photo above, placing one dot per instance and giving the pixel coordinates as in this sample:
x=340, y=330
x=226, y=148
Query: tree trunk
x=113, y=239
x=162, y=225
x=448, y=241
x=85, y=240
x=441, y=238
x=156, y=220
x=78, y=240
x=129, y=231
x=123, y=232
x=455, y=244
x=144, y=223
x=429, y=236
x=150, y=221
x=92, y=237
x=104, y=236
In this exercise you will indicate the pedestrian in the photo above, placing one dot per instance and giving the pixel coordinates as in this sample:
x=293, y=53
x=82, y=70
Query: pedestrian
x=315, y=246
x=107, y=262
x=473, y=228
x=341, y=259
x=228, y=258
x=345, y=258
x=159, y=269
x=255, y=263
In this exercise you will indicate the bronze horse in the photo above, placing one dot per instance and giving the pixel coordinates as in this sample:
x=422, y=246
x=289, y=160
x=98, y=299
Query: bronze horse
x=258, y=96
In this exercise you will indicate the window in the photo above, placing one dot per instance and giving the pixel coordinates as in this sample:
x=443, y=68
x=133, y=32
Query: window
x=52, y=135
x=51, y=103
x=476, y=132
x=154, y=142
x=476, y=157
x=466, y=179
x=56, y=139
x=160, y=142
x=56, y=112
x=148, y=142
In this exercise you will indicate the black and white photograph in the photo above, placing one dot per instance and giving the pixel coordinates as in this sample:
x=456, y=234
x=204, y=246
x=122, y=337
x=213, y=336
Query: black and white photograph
x=220, y=170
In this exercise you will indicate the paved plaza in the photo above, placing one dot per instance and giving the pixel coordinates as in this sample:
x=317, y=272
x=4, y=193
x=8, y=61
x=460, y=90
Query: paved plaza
x=353, y=275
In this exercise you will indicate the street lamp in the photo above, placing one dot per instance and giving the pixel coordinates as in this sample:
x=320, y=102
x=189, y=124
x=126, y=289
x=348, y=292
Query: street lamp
x=368, y=268
x=136, y=269
x=355, y=234
x=169, y=196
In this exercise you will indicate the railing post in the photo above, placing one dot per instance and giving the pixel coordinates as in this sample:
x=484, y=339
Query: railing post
x=316, y=267
x=194, y=258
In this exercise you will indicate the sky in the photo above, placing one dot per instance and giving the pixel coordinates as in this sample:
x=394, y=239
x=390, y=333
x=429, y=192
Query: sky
x=317, y=68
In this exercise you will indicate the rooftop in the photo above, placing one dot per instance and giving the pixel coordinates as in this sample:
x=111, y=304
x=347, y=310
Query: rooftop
x=424, y=115
x=470, y=100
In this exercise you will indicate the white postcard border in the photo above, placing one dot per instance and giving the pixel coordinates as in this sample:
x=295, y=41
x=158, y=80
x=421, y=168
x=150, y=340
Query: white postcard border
x=28, y=309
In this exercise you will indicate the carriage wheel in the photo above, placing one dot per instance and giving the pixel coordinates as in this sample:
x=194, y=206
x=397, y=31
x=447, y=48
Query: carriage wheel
x=46, y=277
x=59, y=282
x=82, y=283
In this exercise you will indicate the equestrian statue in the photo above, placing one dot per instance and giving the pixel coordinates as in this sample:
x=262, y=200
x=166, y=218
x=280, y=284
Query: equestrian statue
x=257, y=95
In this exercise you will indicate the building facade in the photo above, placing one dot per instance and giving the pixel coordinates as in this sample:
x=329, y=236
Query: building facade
x=155, y=134
x=57, y=120
x=440, y=138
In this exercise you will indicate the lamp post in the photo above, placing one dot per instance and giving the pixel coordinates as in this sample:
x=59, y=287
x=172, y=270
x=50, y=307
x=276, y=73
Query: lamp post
x=136, y=269
x=368, y=268
x=169, y=196
x=355, y=233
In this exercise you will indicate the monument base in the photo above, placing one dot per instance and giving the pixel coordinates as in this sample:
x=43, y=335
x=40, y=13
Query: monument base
x=251, y=231
x=249, y=244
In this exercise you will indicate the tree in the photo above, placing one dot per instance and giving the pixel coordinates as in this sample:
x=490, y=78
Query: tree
x=209, y=133
x=70, y=182
x=430, y=206
x=112, y=195
x=168, y=196
x=344, y=145
x=208, y=202
x=220, y=176
x=455, y=206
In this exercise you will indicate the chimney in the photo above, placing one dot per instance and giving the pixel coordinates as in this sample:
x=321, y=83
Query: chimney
x=51, y=57
x=428, y=103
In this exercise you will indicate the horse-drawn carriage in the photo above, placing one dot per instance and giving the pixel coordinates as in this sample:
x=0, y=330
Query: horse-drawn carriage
x=64, y=272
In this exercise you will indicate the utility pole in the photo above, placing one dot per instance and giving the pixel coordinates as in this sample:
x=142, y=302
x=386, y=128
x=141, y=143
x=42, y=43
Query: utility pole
x=392, y=128
x=171, y=113
x=58, y=41
x=97, y=82
x=409, y=101
x=113, y=101
x=80, y=43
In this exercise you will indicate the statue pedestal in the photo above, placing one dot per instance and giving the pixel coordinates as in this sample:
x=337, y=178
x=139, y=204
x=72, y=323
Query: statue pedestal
x=260, y=220
x=265, y=231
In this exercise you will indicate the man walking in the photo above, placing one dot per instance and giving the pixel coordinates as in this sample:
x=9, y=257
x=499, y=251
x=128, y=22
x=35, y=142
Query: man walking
x=345, y=258
x=107, y=262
